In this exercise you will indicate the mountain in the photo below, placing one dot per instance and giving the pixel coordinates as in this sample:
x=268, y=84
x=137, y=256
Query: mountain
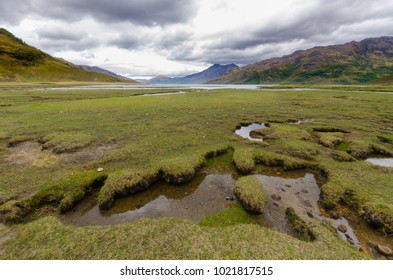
x=205, y=76
x=355, y=62
x=20, y=62
x=102, y=71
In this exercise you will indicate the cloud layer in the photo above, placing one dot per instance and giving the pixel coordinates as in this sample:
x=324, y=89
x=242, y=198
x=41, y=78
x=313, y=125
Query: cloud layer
x=175, y=37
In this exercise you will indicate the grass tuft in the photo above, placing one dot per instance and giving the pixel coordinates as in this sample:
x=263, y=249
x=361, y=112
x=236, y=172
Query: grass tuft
x=250, y=193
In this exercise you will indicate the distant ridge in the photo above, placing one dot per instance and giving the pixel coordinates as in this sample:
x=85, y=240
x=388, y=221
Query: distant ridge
x=367, y=61
x=205, y=76
x=20, y=62
x=102, y=71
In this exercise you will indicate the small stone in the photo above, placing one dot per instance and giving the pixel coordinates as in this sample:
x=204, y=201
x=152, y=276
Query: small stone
x=100, y=169
x=343, y=228
x=347, y=235
x=297, y=193
x=384, y=250
x=283, y=190
x=288, y=186
x=304, y=191
x=310, y=214
x=276, y=196
x=275, y=204
x=351, y=241
x=335, y=215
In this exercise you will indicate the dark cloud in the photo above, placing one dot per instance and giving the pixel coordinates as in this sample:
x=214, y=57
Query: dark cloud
x=68, y=45
x=61, y=33
x=324, y=17
x=11, y=12
x=146, y=12
x=127, y=41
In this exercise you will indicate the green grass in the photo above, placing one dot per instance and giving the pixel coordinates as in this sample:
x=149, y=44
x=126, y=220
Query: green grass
x=138, y=140
x=168, y=239
x=250, y=193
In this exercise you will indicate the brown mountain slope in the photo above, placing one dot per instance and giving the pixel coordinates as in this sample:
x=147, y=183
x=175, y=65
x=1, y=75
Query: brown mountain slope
x=354, y=62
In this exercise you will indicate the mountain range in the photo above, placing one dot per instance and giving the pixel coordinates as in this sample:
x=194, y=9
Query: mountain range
x=20, y=62
x=205, y=76
x=367, y=61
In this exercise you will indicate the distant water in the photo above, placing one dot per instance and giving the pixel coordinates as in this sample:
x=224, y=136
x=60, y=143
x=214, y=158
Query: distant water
x=387, y=162
x=175, y=86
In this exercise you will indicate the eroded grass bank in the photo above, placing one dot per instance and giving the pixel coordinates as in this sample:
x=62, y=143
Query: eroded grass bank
x=138, y=140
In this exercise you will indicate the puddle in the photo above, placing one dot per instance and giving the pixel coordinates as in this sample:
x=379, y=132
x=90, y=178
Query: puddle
x=246, y=131
x=301, y=121
x=301, y=192
x=204, y=196
x=386, y=162
x=210, y=194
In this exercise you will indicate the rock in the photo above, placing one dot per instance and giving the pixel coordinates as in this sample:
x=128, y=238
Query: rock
x=310, y=214
x=343, y=228
x=230, y=198
x=283, y=190
x=100, y=169
x=304, y=191
x=335, y=215
x=275, y=204
x=347, y=235
x=384, y=250
x=276, y=196
x=288, y=186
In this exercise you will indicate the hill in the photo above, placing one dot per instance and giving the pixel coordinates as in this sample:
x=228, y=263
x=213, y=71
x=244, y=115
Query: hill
x=20, y=62
x=102, y=71
x=205, y=76
x=355, y=62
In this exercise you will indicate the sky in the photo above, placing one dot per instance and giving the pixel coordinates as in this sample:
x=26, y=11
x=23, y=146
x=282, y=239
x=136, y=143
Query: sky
x=147, y=38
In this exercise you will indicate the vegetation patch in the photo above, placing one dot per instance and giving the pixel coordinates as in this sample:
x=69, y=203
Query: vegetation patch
x=175, y=171
x=62, y=196
x=243, y=159
x=250, y=193
x=66, y=142
x=387, y=138
x=302, y=229
x=170, y=239
x=230, y=216
x=123, y=184
x=341, y=156
x=330, y=139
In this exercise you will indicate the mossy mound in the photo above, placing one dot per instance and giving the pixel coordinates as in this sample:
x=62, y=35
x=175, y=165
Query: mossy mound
x=250, y=193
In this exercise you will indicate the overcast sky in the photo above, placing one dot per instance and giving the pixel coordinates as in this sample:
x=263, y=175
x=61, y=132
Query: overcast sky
x=167, y=37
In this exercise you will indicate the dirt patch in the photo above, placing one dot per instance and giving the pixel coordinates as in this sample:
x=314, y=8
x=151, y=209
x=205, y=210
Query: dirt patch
x=5, y=233
x=31, y=153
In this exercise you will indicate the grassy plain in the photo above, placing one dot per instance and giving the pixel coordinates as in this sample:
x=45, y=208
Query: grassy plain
x=52, y=142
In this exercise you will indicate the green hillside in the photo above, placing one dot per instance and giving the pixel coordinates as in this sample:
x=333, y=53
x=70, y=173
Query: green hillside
x=20, y=62
x=367, y=61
